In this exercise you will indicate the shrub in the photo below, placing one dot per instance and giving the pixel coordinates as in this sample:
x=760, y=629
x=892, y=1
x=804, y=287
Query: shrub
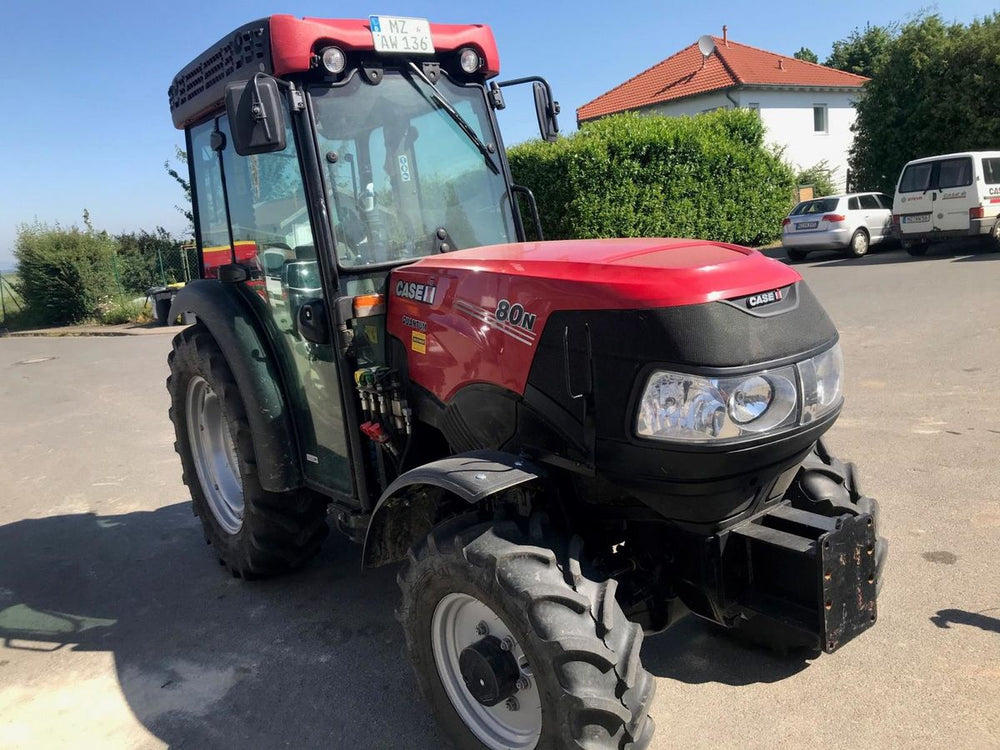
x=627, y=175
x=820, y=176
x=62, y=272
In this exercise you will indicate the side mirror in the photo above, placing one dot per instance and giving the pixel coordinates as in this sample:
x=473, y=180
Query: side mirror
x=546, y=109
x=256, y=116
x=311, y=321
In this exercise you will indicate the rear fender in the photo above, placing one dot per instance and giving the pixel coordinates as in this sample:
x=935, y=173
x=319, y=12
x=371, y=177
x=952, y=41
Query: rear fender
x=412, y=505
x=228, y=317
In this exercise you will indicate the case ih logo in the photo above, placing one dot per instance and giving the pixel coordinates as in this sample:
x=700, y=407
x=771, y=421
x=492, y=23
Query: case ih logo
x=417, y=292
x=764, y=298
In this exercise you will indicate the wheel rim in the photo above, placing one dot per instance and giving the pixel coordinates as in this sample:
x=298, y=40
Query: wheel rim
x=214, y=455
x=458, y=623
x=860, y=243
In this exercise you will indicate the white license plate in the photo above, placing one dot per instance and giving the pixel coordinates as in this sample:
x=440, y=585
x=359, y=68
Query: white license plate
x=400, y=35
x=807, y=225
x=916, y=218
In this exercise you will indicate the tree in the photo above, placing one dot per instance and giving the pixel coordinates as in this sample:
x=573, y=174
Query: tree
x=806, y=54
x=930, y=94
x=861, y=52
x=185, y=210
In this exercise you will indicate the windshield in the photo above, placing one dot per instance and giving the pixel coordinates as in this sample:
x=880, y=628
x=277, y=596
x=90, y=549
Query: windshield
x=399, y=168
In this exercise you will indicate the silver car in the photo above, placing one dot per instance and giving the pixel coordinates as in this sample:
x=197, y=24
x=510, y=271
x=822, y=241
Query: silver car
x=852, y=223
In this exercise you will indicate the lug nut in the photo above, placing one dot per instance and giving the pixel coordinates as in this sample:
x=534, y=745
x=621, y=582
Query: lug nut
x=507, y=644
x=512, y=704
x=482, y=629
x=523, y=683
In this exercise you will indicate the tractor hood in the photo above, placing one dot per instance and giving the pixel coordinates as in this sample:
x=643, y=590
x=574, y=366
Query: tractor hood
x=621, y=273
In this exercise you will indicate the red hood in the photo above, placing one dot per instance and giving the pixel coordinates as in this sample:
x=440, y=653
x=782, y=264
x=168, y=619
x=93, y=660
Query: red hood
x=625, y=273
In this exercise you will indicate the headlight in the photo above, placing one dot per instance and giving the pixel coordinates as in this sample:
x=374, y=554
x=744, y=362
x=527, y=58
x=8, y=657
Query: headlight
x=695, y=408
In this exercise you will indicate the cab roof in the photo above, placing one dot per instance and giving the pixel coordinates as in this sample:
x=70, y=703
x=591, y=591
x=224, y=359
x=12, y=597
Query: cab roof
x=283, y=45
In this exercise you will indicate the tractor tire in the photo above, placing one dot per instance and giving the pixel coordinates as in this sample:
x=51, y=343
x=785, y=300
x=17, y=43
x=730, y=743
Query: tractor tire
x=255, y=533
x=581, y=684
x=796, y=255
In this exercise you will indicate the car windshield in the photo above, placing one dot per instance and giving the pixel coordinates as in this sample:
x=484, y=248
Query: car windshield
x=403, y=175
x=820, y=206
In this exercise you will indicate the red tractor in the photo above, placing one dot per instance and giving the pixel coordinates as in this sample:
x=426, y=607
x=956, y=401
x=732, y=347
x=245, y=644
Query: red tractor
x=566, y=444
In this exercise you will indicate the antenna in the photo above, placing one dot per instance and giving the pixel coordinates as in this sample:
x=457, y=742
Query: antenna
x=706, y=45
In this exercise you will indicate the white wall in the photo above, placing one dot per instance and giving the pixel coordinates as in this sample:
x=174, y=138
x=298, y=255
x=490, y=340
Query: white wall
x=788, y=118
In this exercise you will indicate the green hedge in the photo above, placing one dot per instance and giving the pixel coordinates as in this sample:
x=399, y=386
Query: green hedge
x=709, y=177
x=63, y=273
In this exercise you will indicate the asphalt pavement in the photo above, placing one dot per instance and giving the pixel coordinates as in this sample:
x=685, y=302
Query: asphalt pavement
x=119, y=630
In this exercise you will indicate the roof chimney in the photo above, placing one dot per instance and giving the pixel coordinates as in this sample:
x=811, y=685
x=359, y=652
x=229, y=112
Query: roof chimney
x=781, y=64
x=725, y=39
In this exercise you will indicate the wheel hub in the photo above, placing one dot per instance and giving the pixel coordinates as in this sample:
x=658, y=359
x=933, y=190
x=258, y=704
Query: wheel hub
x=490, y=672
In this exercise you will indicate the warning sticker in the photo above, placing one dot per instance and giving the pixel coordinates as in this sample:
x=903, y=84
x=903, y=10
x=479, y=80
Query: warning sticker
x=418, y=342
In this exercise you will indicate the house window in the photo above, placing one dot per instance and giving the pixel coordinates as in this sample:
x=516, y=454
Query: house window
x=754, y=107
x=820, y=124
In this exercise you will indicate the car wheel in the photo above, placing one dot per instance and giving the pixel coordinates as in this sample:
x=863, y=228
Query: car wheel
x=993, y=244
x=859, y=244
x=917, y=249
x=796, y=255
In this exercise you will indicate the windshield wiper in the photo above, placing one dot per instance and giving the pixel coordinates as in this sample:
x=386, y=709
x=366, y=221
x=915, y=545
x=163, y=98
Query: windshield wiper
x=459, y=120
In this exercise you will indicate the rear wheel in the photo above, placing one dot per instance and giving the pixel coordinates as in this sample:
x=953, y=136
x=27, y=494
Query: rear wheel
x=917, y=249
x=254, y=532
x=993, y=243
x=796, y=254
x=859, y=244
x=514, y=647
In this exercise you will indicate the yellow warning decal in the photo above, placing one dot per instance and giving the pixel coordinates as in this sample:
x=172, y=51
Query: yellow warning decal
x=418, y=342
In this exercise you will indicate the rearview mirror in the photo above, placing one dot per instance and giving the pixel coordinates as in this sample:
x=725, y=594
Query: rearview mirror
x=256, y=116
x=546, y=109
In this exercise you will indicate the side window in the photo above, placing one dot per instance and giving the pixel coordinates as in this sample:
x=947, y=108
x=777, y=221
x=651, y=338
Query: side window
x=869, y=202
x=212, y=224
x=885, y=200
x=916, y=177
x=991, y=170
x=270, y=217
x=820, y=124
x=852, y=204
x=955, y=173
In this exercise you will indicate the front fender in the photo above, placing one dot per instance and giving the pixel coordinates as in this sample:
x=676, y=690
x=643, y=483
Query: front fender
x=408, y=508
x=228, y=317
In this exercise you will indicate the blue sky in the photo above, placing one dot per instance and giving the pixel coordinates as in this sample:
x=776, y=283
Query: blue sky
x=85, y=122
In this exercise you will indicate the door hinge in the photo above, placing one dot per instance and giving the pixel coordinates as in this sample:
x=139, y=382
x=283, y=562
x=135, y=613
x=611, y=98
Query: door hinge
x=296, y=99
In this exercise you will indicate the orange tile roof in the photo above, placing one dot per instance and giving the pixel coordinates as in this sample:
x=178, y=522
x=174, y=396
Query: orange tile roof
x=731, y=64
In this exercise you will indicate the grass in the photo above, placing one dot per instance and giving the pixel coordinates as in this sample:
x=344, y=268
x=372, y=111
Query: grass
x=12, y=301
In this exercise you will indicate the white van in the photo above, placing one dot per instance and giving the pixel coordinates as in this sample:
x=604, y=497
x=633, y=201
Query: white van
x=941, y=197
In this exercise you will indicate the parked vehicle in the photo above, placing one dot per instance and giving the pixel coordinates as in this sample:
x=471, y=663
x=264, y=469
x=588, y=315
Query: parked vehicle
x=564, y=444
x=944, y=197
x=852, y=222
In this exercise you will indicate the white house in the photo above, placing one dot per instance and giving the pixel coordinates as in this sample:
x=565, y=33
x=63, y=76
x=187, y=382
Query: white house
x=807, y=109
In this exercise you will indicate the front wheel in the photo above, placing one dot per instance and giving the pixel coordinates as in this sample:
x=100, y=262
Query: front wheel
x=514, y=647
x=254, y=532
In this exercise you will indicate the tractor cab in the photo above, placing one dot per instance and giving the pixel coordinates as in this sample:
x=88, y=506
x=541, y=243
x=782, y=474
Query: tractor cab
x=337, y=150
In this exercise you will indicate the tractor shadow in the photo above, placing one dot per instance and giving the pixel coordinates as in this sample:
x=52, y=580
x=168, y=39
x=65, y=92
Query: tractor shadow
x=695, y=652
x=205, y=660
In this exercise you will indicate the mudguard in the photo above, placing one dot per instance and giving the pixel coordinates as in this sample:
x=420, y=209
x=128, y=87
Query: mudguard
x=228, y=317
x=406, y=510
